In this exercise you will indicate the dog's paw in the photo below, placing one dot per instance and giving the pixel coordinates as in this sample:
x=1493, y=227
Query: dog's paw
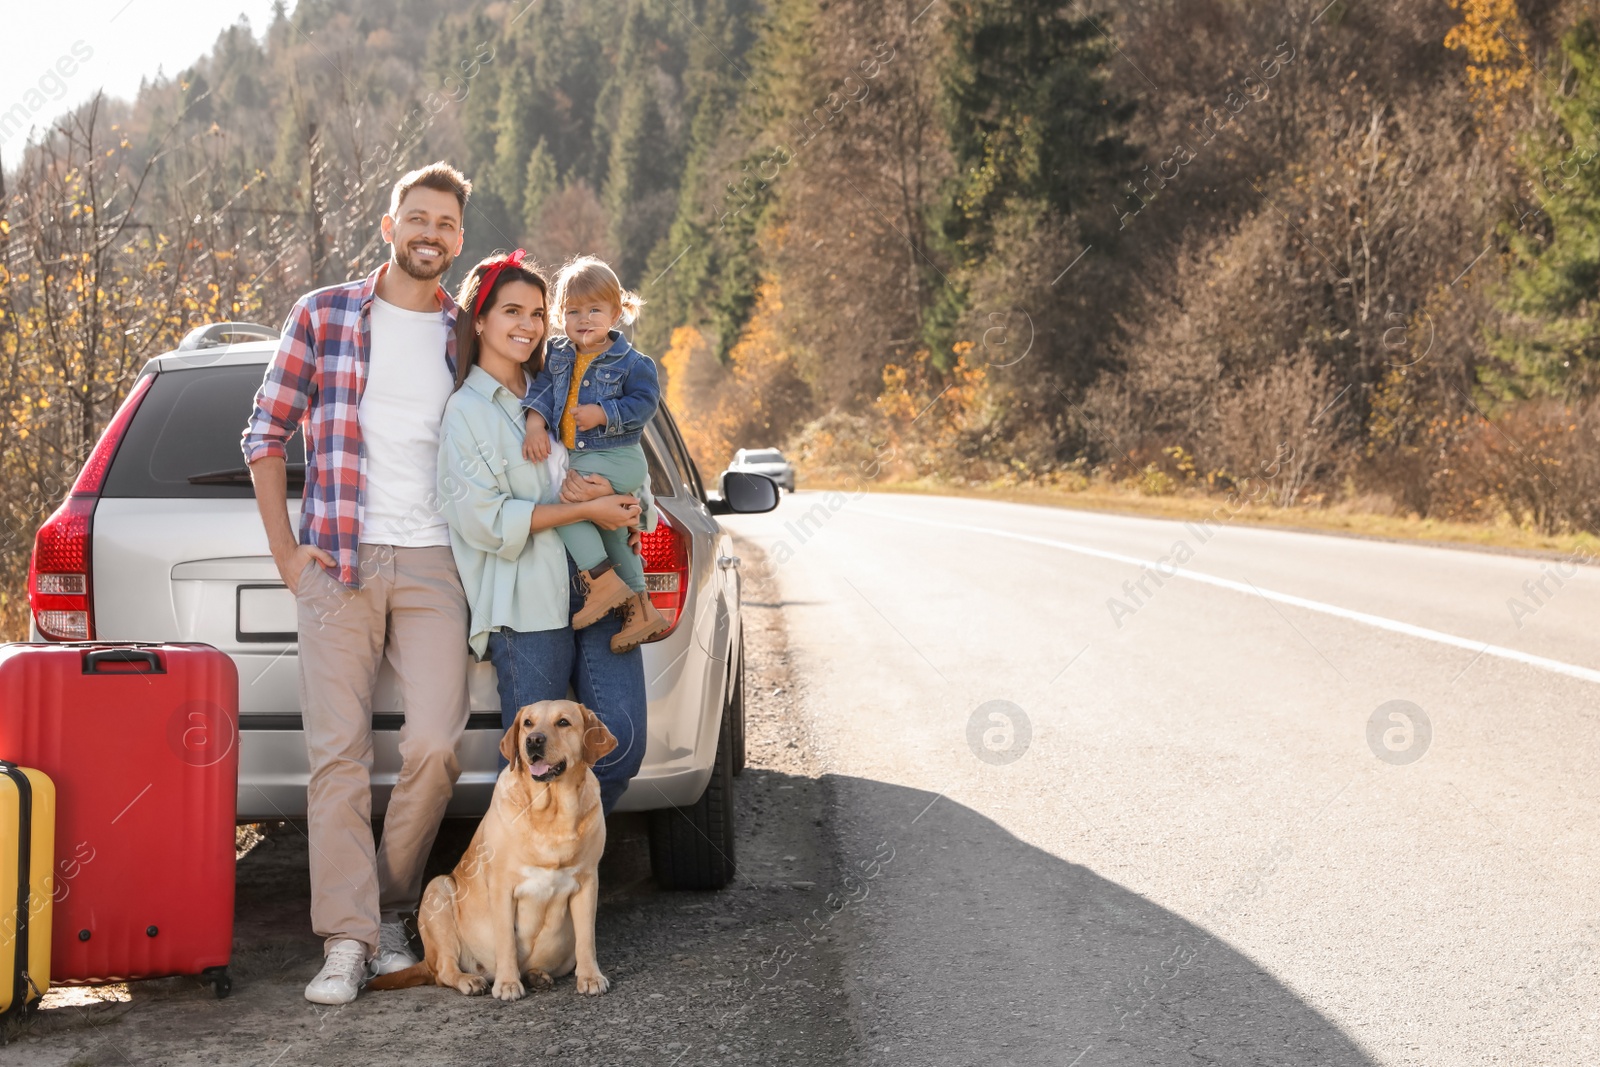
x=509, y=989
x=472, y=985
x=537, y=980
x=593, y=983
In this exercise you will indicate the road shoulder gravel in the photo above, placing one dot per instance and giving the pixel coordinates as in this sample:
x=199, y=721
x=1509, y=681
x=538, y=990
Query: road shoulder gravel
x=748, y=975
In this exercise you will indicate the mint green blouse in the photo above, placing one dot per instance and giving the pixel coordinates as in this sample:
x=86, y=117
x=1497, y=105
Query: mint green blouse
x=513, y=578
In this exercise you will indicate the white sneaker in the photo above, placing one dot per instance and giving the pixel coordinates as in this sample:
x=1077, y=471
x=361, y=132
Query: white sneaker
x=344, y=971
x=394, y=949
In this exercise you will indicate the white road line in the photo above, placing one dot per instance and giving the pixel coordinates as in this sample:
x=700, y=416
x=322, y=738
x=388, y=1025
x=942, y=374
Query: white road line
x=1378, y=621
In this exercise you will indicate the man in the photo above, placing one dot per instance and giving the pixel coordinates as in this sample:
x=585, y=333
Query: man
x=367, y=367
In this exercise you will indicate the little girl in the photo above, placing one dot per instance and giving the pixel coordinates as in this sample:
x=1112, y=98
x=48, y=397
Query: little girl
x=596, y=394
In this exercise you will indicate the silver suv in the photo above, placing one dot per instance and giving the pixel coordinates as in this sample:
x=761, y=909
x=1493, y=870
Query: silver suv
x=765, y=461
x=160, y=540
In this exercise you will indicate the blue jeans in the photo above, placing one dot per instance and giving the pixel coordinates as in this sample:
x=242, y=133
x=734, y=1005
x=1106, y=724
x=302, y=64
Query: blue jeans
x=541, y=665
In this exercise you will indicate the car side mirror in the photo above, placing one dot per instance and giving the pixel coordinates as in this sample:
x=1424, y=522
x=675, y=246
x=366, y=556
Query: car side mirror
x=745, y=494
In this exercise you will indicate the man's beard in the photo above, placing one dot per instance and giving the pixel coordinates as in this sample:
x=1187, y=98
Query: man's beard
x=423, y=270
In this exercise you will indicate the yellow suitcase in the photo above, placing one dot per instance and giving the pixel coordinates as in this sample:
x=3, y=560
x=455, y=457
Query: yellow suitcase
x=27, y=861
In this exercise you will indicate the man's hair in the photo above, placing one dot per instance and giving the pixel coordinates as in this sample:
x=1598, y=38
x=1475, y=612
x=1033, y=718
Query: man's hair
x=441, y=176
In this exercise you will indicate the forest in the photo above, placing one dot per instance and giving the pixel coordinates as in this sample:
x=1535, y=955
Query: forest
x=1320, y=253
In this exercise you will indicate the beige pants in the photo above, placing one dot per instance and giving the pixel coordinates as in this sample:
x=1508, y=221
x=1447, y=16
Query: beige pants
x=411, y=609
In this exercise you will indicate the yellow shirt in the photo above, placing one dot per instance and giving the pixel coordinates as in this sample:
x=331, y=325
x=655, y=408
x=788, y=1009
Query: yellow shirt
x=569, y=420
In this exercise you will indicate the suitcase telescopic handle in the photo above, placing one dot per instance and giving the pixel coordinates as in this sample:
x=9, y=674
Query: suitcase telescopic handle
x=93, y=660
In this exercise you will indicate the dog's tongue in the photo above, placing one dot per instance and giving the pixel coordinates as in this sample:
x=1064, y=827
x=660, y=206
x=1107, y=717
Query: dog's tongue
x=539, y=767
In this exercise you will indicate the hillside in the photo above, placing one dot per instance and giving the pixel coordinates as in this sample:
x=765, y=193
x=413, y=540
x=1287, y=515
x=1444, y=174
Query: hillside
x=1297, y=252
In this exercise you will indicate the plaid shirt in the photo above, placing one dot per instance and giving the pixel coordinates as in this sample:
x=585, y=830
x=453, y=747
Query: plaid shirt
x=317, y=377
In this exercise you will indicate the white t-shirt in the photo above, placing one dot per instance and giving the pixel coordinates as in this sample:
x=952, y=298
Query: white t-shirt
x=408, y=383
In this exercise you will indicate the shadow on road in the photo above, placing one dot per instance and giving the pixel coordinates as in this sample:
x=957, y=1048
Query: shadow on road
x=982, y=949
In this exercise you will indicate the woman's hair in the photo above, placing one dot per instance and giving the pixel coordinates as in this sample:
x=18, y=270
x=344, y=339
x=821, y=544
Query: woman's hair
x=587, y=277
x=467, y=300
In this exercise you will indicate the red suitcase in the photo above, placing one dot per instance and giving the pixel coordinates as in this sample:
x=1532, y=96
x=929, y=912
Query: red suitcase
x=141, y=741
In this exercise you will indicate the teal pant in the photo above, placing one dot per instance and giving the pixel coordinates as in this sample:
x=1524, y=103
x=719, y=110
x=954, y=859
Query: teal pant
x=587, y=544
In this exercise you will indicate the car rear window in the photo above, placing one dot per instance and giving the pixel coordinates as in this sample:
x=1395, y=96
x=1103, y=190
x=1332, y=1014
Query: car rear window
x=190, y=424
x=680, y=455
x=770, y=455
x=661, y=483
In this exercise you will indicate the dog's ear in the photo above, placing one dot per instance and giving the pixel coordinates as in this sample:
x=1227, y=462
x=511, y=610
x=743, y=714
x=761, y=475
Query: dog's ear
x=598, y=741
x=508, y=742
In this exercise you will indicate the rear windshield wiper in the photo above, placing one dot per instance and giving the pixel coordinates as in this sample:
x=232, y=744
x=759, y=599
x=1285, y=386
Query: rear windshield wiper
x=241, y=476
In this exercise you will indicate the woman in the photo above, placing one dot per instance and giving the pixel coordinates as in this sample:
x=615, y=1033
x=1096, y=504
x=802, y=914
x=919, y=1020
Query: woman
x=503, y=511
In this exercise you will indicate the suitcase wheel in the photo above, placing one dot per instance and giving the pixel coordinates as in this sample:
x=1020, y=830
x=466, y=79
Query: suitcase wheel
x=219, y=979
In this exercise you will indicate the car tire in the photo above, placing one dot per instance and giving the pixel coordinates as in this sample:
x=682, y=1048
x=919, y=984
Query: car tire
x=736, y=712
x=692, y=848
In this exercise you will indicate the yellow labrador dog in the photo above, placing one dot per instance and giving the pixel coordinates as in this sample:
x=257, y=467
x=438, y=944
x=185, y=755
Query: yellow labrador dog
x=520, y=905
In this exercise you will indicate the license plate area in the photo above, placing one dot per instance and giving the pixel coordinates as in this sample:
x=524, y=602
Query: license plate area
x=265, y=614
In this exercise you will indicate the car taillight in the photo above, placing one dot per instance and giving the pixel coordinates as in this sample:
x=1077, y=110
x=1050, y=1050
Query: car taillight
x=59, y=590
x=666, y=571
x=58, y=576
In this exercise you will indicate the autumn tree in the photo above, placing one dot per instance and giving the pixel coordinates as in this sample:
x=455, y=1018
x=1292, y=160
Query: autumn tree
x=94, y=280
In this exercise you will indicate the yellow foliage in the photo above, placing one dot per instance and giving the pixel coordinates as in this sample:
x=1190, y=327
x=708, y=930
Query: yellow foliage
x=1495, y=40
x=687, y=344
x=71, y=341
x=930, y=408
x=747, y=402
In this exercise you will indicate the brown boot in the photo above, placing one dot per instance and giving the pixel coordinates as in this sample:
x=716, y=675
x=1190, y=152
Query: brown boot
x=602, y=591
x=640, y=621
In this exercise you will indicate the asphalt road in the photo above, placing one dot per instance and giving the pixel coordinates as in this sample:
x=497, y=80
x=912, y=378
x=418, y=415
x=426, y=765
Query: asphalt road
x=1195, y=828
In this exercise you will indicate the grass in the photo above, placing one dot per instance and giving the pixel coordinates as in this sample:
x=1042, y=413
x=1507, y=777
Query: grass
x=1340, y=519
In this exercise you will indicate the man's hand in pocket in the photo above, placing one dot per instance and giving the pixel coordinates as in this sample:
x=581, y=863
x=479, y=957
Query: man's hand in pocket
x=293, y=560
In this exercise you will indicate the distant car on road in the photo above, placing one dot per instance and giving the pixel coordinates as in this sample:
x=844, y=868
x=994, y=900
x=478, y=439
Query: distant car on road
x=767, y=461
x=159, y=540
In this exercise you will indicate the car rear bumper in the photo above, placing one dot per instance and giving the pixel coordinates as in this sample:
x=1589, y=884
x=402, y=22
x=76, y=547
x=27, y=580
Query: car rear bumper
x=685, y=686
x=274, y=771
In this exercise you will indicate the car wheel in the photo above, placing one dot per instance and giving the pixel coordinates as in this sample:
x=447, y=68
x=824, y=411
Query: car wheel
x=736, y=712
x=692, y=848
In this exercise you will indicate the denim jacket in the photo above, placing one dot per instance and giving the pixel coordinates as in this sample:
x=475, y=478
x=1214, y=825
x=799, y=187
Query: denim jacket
x=621, y=380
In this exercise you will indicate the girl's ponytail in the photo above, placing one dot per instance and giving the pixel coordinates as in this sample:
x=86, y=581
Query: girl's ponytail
x=631, y=304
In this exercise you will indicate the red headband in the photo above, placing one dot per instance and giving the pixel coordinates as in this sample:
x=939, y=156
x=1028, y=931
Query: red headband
x=486, y=286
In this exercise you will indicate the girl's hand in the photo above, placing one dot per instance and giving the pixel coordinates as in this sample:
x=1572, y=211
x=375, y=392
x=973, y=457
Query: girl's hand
x=536, y=440
x=588, y=416
x=636, y=539
x=614, y=512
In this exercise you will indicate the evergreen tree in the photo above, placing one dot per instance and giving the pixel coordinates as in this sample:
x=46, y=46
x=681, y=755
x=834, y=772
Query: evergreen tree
x=465, y=58
x=641, y=178
x=705, y=271
x=508, y=176
x=538, y=187
x=1552, y=336
x=1029, y=118
x=645, y=155
x=571, y=58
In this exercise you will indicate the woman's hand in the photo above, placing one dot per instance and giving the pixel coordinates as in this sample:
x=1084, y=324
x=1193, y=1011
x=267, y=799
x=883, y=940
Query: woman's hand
x=613, y=512
x=536, y=439
x=578, y=488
